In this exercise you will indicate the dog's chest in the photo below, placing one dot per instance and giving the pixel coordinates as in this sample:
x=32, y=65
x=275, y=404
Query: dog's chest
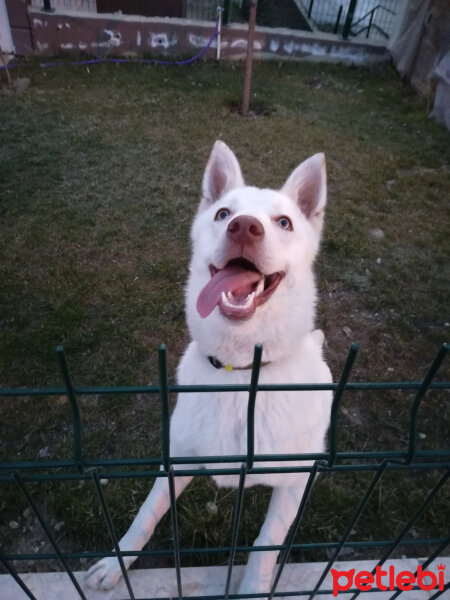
x=216, y=423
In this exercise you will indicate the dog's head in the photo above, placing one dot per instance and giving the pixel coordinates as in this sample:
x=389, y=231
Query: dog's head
x=253, y=249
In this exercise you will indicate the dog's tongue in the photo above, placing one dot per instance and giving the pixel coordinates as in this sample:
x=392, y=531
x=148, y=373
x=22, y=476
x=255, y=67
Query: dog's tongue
x=235, y=279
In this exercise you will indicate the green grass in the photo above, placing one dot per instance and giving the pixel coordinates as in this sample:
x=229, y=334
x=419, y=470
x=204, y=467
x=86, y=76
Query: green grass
x=100, y=174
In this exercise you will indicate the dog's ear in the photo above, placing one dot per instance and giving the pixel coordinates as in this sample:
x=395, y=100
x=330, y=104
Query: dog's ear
x=307, y=186
x=222, y=174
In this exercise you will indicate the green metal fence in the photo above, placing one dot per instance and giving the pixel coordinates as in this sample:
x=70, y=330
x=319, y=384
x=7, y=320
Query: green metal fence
x=23, y=473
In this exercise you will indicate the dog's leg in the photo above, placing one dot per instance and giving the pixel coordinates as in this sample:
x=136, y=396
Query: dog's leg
x=106, y=573
x=282, y=510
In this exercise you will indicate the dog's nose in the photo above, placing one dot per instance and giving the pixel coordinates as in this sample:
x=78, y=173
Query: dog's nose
x=245, y=230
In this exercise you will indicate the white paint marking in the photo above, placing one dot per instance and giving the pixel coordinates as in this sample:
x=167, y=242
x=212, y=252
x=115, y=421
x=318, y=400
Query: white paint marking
x=199, y=41
x=161, y=40
x=114, y=38
x=274, y=45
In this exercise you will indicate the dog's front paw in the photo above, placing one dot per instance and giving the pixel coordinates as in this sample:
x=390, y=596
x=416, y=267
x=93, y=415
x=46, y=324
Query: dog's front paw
x=104, y=575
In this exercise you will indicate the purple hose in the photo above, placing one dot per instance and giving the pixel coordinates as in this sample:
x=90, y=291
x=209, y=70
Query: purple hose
x=142, y=61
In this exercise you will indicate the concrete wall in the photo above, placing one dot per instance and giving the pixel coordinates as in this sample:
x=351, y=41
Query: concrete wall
x=20, y=26
x=73, y=32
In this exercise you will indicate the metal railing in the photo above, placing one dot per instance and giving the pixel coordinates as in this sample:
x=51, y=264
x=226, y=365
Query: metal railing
x=78, y=468
x=351, y=18
x=367, y=24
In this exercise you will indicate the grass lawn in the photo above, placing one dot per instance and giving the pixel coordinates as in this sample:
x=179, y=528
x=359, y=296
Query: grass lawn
x=100, y=174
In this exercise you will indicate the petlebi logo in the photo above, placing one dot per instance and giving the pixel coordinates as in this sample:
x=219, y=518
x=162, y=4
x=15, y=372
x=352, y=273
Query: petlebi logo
x=389, y=579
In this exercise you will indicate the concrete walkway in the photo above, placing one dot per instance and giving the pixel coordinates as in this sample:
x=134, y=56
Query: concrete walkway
x=161, y=583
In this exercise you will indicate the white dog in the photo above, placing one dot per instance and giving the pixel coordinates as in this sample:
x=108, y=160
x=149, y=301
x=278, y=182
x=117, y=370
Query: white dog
x=250, y=282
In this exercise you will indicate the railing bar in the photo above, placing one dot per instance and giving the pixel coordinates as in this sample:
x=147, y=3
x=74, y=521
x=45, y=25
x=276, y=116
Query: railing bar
x=293, y=529
x=371, y=12
x=251, y=406
x=11, y=466
x=221, y=550
x=419, y=512
x=76, y=418
x=419, y=397
x=111, y=530
x=377, y=476
x=338, y=19
x=31, y=502
x=194, y=389
x=429, y=560
x=17, y=579
x=176, y=538
x=353, y=351
x=165, y=419
x=349, y=19
x=230, y=471
x=436, y=553
x=368, y=14
x=439, y=593
x=235, y=531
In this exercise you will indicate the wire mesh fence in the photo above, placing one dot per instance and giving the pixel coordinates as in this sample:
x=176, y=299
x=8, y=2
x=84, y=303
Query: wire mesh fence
x=360, y=19
x=28, y=477
x=374, y=19
x=203, y=10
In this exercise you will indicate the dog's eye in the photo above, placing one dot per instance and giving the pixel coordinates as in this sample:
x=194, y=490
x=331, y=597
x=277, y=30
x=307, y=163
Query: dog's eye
x=285, y=223
x=222, y=214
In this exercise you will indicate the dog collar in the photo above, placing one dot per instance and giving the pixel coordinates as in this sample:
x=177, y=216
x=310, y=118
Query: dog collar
x=218, y=365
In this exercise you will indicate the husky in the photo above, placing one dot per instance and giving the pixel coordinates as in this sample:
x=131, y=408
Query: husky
x=250, y=282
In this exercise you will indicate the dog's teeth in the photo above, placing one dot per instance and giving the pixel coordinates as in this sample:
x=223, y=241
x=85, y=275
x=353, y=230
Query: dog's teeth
x=229, y=300
x=226, y=301
x=259, y=287
x=249, y=300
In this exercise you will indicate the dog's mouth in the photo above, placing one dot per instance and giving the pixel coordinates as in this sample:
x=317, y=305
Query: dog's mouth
x=238, y=289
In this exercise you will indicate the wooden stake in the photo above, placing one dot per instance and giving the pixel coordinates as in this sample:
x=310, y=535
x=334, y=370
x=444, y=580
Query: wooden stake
x=249, y=61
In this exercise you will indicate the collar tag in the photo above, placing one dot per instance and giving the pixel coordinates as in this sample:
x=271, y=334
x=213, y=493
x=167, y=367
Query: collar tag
x=218, y=365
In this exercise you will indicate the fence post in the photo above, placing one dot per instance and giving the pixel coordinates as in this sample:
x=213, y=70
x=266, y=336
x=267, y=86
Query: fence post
x=338, y=19
x=47, y=6
x=418, y=399
x=43, y=523
x=76, y=417
x=164, y=394
x=349, y=19
x=249, y=61
x=226, y=13
x=351, y=357
x=111, y=530
x=257, y=354
x=370, y=23
x=234, y=535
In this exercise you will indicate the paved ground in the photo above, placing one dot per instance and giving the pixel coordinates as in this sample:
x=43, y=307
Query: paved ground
x=161, y=583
